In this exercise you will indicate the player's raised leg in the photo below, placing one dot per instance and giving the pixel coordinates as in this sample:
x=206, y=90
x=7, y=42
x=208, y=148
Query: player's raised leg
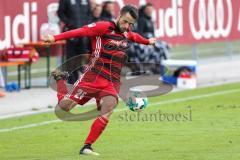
x=107, y=106
x=60, y=78
x=65, y=104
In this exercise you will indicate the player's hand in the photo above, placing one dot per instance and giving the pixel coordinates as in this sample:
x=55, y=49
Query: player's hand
x=49, y=39
x=152, y=41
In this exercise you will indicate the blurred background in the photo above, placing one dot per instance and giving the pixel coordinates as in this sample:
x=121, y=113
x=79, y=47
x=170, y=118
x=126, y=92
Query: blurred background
x=199, y=42
x=198, y=52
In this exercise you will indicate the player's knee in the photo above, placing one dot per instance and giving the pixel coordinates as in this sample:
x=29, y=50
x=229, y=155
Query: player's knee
x=64, y=107
x=107, y=114
x=107, y=106
x=66, y=104
x=110, y=102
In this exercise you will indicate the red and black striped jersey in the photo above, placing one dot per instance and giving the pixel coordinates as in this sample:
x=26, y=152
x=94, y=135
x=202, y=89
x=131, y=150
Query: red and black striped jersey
x=108, y=47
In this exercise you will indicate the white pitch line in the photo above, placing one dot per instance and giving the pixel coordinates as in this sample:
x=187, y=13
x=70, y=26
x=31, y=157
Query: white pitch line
x=119, y=110
x=177, y=100
x=29, y=125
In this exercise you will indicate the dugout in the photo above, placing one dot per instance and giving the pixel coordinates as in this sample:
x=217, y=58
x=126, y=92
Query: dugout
x=181, y=73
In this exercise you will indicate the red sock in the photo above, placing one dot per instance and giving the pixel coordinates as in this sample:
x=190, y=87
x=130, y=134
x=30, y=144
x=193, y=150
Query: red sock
x=97, y=128
x=61, y=89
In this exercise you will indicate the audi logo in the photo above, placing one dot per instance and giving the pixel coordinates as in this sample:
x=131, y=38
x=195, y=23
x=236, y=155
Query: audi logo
x=208, y=18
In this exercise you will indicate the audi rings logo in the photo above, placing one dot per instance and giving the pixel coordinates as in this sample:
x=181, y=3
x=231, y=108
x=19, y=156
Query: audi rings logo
x=214, y=18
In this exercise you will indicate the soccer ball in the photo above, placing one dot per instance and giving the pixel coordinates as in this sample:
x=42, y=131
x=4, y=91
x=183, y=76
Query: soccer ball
x=136, y=101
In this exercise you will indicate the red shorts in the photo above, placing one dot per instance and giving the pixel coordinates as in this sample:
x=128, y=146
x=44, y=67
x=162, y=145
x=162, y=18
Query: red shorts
x=92, y=85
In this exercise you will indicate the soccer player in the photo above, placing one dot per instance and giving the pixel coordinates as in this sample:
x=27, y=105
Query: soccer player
x=101, y=78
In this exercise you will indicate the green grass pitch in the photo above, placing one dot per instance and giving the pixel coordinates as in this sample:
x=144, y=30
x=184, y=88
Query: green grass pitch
x=196, y=124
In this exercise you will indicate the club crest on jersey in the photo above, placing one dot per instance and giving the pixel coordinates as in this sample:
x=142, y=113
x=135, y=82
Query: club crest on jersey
x=92, y=25
x=116, y=45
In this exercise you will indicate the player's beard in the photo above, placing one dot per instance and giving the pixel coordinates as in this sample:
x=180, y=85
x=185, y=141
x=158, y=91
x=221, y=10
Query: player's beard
x=119, y=27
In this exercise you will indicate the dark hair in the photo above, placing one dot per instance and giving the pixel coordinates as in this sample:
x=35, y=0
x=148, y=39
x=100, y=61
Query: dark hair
x=141, y=11
x=149, y=5
x=132, y=10
x=105, y=3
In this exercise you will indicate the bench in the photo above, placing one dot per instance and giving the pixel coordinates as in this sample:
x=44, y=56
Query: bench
x=20, y=64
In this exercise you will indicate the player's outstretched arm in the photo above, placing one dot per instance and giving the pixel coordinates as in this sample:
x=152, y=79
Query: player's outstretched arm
x=152, y=41
x=135, y=37
x=65, y=35
x=94, y=29
x=49, y=39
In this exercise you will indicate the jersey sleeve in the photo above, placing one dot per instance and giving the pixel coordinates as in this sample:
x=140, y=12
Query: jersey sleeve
x=91, y=30
x=135, y=37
